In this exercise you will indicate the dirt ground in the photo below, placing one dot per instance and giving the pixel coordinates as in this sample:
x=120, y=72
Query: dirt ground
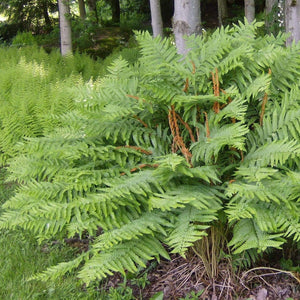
x=179, y=277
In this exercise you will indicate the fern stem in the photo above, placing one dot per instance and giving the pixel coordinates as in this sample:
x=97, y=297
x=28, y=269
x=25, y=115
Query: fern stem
x=136, y=148
x=141, y=121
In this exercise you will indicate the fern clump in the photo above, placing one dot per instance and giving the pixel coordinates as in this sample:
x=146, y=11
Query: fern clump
x=153, y=153
x=36, y=87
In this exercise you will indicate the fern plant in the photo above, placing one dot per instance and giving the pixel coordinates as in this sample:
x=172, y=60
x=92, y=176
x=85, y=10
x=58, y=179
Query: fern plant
x=35, y=87
x=154, y=152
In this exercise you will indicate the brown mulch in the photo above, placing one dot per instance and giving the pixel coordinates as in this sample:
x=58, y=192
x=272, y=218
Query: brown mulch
x=178, y=277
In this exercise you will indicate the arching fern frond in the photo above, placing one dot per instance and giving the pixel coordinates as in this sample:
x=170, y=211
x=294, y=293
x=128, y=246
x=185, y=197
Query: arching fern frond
x=190, y=226
x=123, y=256
x=247, y=235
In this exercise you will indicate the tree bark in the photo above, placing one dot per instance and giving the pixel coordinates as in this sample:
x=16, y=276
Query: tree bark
x=156, y=19
x=93, y=9
x=250, y=10
x=269, y=19
x=186, y=21
x=292, y=20
x=82, y=11
x=44, y=6
x=222, y=11
x=115, y=9
x=65, y=27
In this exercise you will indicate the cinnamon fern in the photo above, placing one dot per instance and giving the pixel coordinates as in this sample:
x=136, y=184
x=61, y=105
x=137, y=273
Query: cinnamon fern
x=152, y=153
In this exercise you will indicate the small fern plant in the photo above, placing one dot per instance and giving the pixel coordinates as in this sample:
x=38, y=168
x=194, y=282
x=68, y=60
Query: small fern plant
x=155, y=152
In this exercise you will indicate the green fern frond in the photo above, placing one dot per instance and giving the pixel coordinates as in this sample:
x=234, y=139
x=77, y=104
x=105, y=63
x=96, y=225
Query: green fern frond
x=61, y=269
x=208, y=148
x=247, y=235
x=200, y=196
x=126, y=255
x=147, y=223
x=190, y=226
x=272, y=154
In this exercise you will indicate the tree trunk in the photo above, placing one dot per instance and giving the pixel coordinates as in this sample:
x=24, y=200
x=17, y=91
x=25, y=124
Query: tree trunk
x=93, y=10
x=82, y=11
x=250, y=10
x=269, y=19
x=115, y=9
x=269, y=5
x=44, y=5
x=222, y=11
x=156, y=19
x=292, y=20
x=65, y=27
x=186, y=21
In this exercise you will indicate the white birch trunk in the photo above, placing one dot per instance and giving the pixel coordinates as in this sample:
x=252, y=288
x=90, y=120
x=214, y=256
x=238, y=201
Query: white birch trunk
x=292, y=20
x=156, y=19
x=222, y=11
x=250, y=10
x=186, y=21
x=65, y=27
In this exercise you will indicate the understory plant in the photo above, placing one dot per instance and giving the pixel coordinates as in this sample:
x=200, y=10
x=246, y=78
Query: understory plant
x=36, y=87
x=158, y=153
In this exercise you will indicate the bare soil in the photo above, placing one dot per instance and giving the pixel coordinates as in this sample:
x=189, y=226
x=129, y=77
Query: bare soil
x=179, y=277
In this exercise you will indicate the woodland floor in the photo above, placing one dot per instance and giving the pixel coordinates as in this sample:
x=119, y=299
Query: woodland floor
x=179, y=277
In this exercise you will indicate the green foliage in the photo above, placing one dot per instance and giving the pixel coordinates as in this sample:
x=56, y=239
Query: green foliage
x=35, y=87
x=24, y=39
x=193, y=295
x=29, y=15
x=153, y=153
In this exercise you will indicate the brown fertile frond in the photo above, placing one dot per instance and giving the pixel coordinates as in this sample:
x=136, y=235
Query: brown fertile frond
x=206, y=125
x=263, y=107
x=186, y=86
x=194, y=67
x=135, y=97
x=177, y=139
x=186, y=125
x=216, y=87
x=136, y=148
x=141, y=166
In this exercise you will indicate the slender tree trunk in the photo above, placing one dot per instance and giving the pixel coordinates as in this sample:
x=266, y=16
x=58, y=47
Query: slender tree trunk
x=93, y=9
x=47, y=19
x=269, y=5
x=65, y=27
x=115, y=9
x=270, y=19
x=156, y=19
x=222, y=11
x=249, y=10
x=82, y=11
x=292, y=20
x=186, y=21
